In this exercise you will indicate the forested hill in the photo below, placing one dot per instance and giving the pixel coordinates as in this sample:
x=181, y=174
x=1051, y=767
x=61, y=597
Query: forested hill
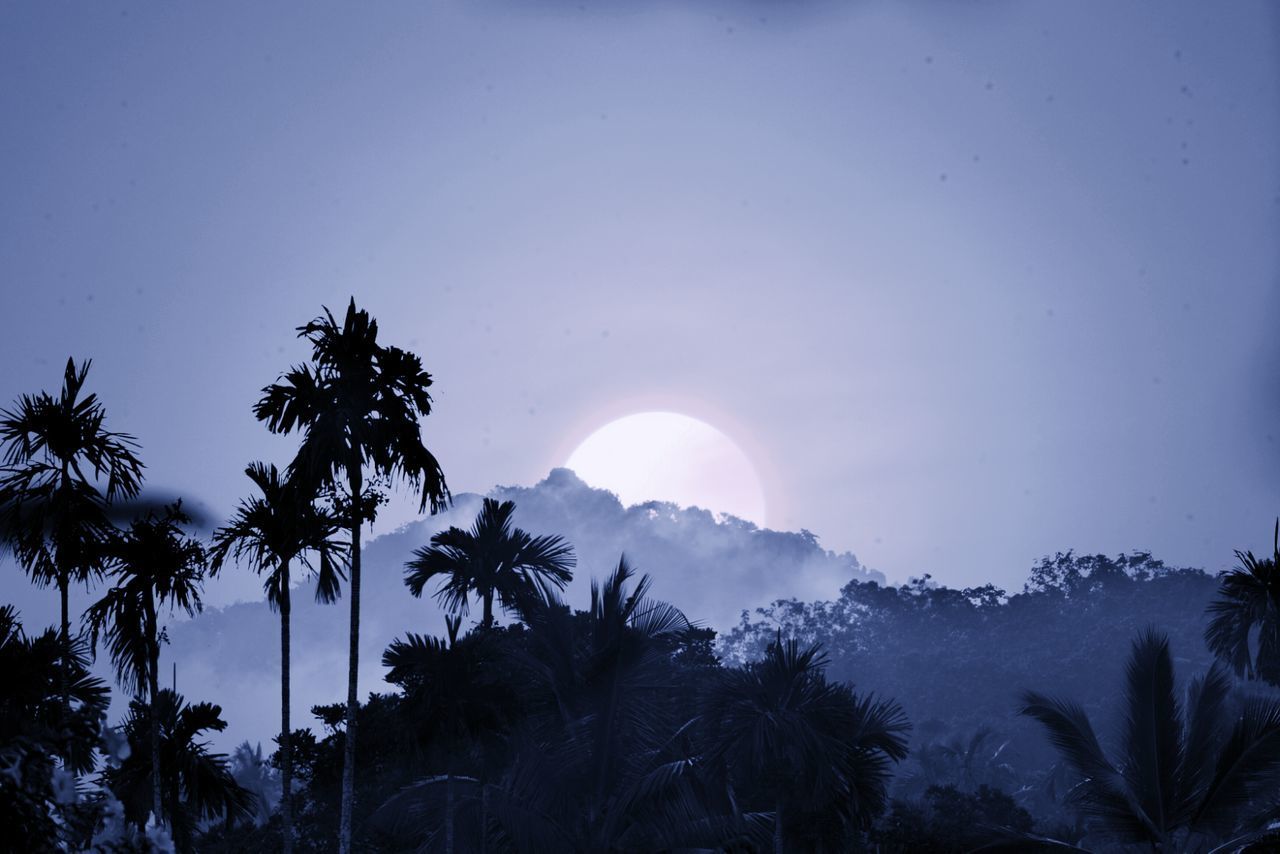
x=958, y=659
x=713, y=566
x=713, y=569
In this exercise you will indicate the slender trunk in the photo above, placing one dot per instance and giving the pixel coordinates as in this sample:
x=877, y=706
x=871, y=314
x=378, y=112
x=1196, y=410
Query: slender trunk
x=353, y=668
x=484, y=814
x=64, y=669
x=488, y=609
x=153, y=684
x=64, y=581
x=448, y=812
x=286, y=765
x=778, y=843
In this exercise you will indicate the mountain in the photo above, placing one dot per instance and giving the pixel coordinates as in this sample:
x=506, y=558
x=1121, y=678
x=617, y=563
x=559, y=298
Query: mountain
x=712, y=567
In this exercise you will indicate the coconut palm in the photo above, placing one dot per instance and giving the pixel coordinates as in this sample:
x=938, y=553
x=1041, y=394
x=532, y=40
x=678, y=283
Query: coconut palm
x=492, y=559
x=61, y=467
x=198, y=784
x=358, y=405
x=1248, y=603
x=274, y=532
x=779, y=725
x=1189, y=776
x=153, y=566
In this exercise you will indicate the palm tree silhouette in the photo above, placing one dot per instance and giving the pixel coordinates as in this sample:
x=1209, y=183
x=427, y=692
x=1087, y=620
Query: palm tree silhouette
x=253, y=772
x=457, y=700
x=1249, y=601
x=492, y=559
x=357, y=404
x=153, y=565
x=1190, y=776
x=198, y=785
x=59, y=459
x=808, y=741
x=605, y=761
x=273, y=531
x=31, y=710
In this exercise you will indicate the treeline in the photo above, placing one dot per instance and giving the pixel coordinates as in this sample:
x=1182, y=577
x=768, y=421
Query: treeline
x=621, y=727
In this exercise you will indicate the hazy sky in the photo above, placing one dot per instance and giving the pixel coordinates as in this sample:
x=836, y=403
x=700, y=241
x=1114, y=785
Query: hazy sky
x=970, y=282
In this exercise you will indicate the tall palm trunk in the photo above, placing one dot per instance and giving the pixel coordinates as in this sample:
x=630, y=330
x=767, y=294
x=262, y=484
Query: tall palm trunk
x=488, y=609
x=64, y=581
x=286, y=769
x=353, y=666
x=779, y=846
x=153, y=685
x=64, y=639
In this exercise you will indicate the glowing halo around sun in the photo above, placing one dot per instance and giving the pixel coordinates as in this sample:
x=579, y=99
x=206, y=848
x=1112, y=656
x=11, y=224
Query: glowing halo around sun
x=666, y=456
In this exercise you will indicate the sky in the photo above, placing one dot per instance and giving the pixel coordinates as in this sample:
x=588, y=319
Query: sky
x=970, y=283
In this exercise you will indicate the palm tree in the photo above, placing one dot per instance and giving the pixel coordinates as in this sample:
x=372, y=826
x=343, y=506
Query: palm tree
x=606, y=760
x=358, y=404
x=31, y=709
x=153, y=565
x=1249, y=601
x=1189, y=775
x=254, y=773
x=198, y=785
x=272, y=532
x=35, y=727
x=492, y=559
x=806, y=741
x=458, y=701
x=61, y=467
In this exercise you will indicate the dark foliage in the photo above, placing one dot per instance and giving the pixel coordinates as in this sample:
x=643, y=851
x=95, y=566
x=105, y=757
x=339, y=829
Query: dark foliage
x=950, y=821
x=956, y=659
x=1188, y=776
x=197, y=785
x=815, y=752
x=1244, y=625
x=37, y=735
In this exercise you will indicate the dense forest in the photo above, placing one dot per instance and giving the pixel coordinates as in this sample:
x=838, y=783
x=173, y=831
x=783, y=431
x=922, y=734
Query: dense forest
x=1114, y=703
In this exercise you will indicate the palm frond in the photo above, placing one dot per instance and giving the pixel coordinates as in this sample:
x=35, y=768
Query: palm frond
x=1153, y=729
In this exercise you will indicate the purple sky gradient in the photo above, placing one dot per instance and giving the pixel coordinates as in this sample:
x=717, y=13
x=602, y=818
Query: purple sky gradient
x=971, y=282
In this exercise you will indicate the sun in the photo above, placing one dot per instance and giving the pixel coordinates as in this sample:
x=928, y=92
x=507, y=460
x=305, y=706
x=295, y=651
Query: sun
x=667, y=456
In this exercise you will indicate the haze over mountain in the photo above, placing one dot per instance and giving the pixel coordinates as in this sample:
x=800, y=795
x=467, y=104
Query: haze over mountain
x=713, y=567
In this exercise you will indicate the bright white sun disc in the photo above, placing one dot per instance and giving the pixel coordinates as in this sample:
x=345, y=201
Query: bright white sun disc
x=666, y=456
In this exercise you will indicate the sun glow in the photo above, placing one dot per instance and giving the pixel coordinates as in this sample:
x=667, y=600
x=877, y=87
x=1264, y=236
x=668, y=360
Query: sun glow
x=667, y=456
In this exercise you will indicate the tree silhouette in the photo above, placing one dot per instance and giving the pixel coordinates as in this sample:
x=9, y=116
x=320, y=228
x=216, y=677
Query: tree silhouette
x=153, y=566
x=198, y=785
x=1249, y=602
x=492, y=559
x=35, y=726
x=456, y=698
x=1189, y=776
x=61, y=467
x=779, y=724
x=253, y=772
x=606, y=760
x=30, y=707
x=357, y=404
x=272, y=532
